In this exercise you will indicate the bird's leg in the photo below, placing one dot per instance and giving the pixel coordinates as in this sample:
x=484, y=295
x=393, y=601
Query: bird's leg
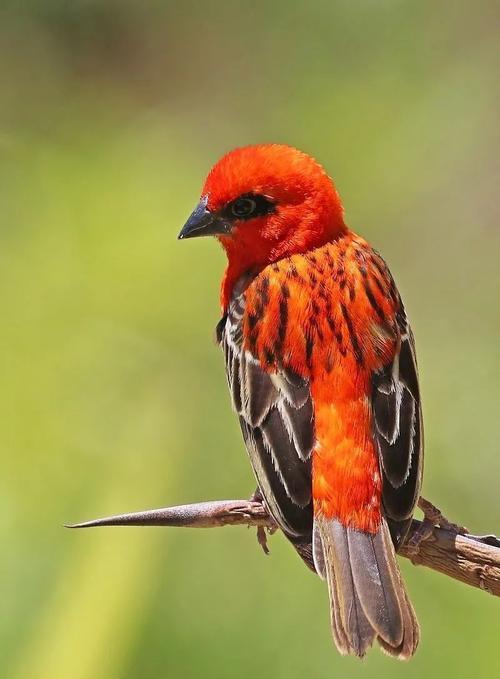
x=261, y=531
x=257, y=496
x=432, y=517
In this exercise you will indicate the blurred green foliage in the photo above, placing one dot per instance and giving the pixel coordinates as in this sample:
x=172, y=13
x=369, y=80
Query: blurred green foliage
x=113, y=395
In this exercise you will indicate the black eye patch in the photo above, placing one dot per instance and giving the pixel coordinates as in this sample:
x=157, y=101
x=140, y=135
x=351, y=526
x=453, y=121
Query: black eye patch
x=248, y=206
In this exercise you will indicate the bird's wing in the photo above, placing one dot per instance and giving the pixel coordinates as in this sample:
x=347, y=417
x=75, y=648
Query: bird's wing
x=399, y=434
x=276, y=417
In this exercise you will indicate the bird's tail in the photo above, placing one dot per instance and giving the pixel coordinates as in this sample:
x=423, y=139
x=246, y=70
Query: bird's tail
x=368, y=599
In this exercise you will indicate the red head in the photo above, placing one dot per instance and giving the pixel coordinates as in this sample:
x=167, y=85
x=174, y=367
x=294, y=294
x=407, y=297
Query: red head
x=264, y=203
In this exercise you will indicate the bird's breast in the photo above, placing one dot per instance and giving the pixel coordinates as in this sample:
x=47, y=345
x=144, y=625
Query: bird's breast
x=320, y=315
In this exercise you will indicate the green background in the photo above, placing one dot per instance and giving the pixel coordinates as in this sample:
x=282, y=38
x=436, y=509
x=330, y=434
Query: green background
x=113, y=395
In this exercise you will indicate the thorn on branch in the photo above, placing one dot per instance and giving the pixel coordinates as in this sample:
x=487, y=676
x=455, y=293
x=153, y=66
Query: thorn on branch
x=434, y=542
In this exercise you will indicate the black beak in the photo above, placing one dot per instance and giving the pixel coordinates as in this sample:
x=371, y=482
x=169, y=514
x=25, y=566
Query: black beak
x=202, y=222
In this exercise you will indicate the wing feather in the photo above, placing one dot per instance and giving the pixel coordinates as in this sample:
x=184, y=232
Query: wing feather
x=397, y=416
x=277, y=421
x=260, y=392
x=294, y=471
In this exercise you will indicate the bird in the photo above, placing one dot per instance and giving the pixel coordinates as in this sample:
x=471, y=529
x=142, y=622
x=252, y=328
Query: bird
x=321, y=367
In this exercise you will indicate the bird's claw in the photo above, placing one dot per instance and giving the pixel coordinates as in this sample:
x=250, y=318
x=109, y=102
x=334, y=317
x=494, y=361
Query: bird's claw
x=262, y=539
x=422, y=533
x=435, y=517
x=262, y=532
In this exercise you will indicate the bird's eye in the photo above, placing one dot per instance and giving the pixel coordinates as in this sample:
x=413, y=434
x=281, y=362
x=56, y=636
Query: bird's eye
x=243, y=208
x=248, y=206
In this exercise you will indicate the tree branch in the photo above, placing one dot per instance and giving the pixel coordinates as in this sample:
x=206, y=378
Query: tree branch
x=433, y=542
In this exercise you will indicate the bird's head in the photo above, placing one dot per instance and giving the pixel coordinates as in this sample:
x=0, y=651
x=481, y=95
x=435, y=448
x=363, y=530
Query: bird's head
x=264, y=203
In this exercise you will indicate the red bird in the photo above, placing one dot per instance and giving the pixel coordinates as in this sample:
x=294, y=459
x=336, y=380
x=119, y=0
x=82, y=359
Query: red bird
x=321, y=367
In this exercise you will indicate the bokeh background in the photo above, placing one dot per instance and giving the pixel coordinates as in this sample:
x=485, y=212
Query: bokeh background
x=113, y=395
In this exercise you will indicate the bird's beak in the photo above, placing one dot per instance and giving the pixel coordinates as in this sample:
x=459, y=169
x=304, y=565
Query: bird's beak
x=202, y=222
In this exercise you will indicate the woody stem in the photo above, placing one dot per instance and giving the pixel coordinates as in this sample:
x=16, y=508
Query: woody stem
x=435, y=542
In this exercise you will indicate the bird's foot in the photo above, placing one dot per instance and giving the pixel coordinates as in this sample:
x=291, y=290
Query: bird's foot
x=262, y=532
x=262, y=539
x=435, y=517
x=422, y=533
x=257, y=497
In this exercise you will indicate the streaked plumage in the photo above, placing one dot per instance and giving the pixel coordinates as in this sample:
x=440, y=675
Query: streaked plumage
x=322, y=373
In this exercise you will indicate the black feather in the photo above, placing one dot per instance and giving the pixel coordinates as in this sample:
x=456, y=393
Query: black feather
x=295, y=521
x=277, y=421
x=296, y=391
x=399, y=503
x=408, y=372
x=397, y=418
x=234, y=379
x=295, y=472
x=396, y=454
x=385, y=406
x=301, y=424
x=260, y=393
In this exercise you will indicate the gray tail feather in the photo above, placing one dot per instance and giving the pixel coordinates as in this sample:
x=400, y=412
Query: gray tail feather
x=368, y=599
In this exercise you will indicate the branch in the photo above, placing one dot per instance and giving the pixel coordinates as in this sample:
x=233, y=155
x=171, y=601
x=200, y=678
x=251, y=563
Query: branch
x=433, y=542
